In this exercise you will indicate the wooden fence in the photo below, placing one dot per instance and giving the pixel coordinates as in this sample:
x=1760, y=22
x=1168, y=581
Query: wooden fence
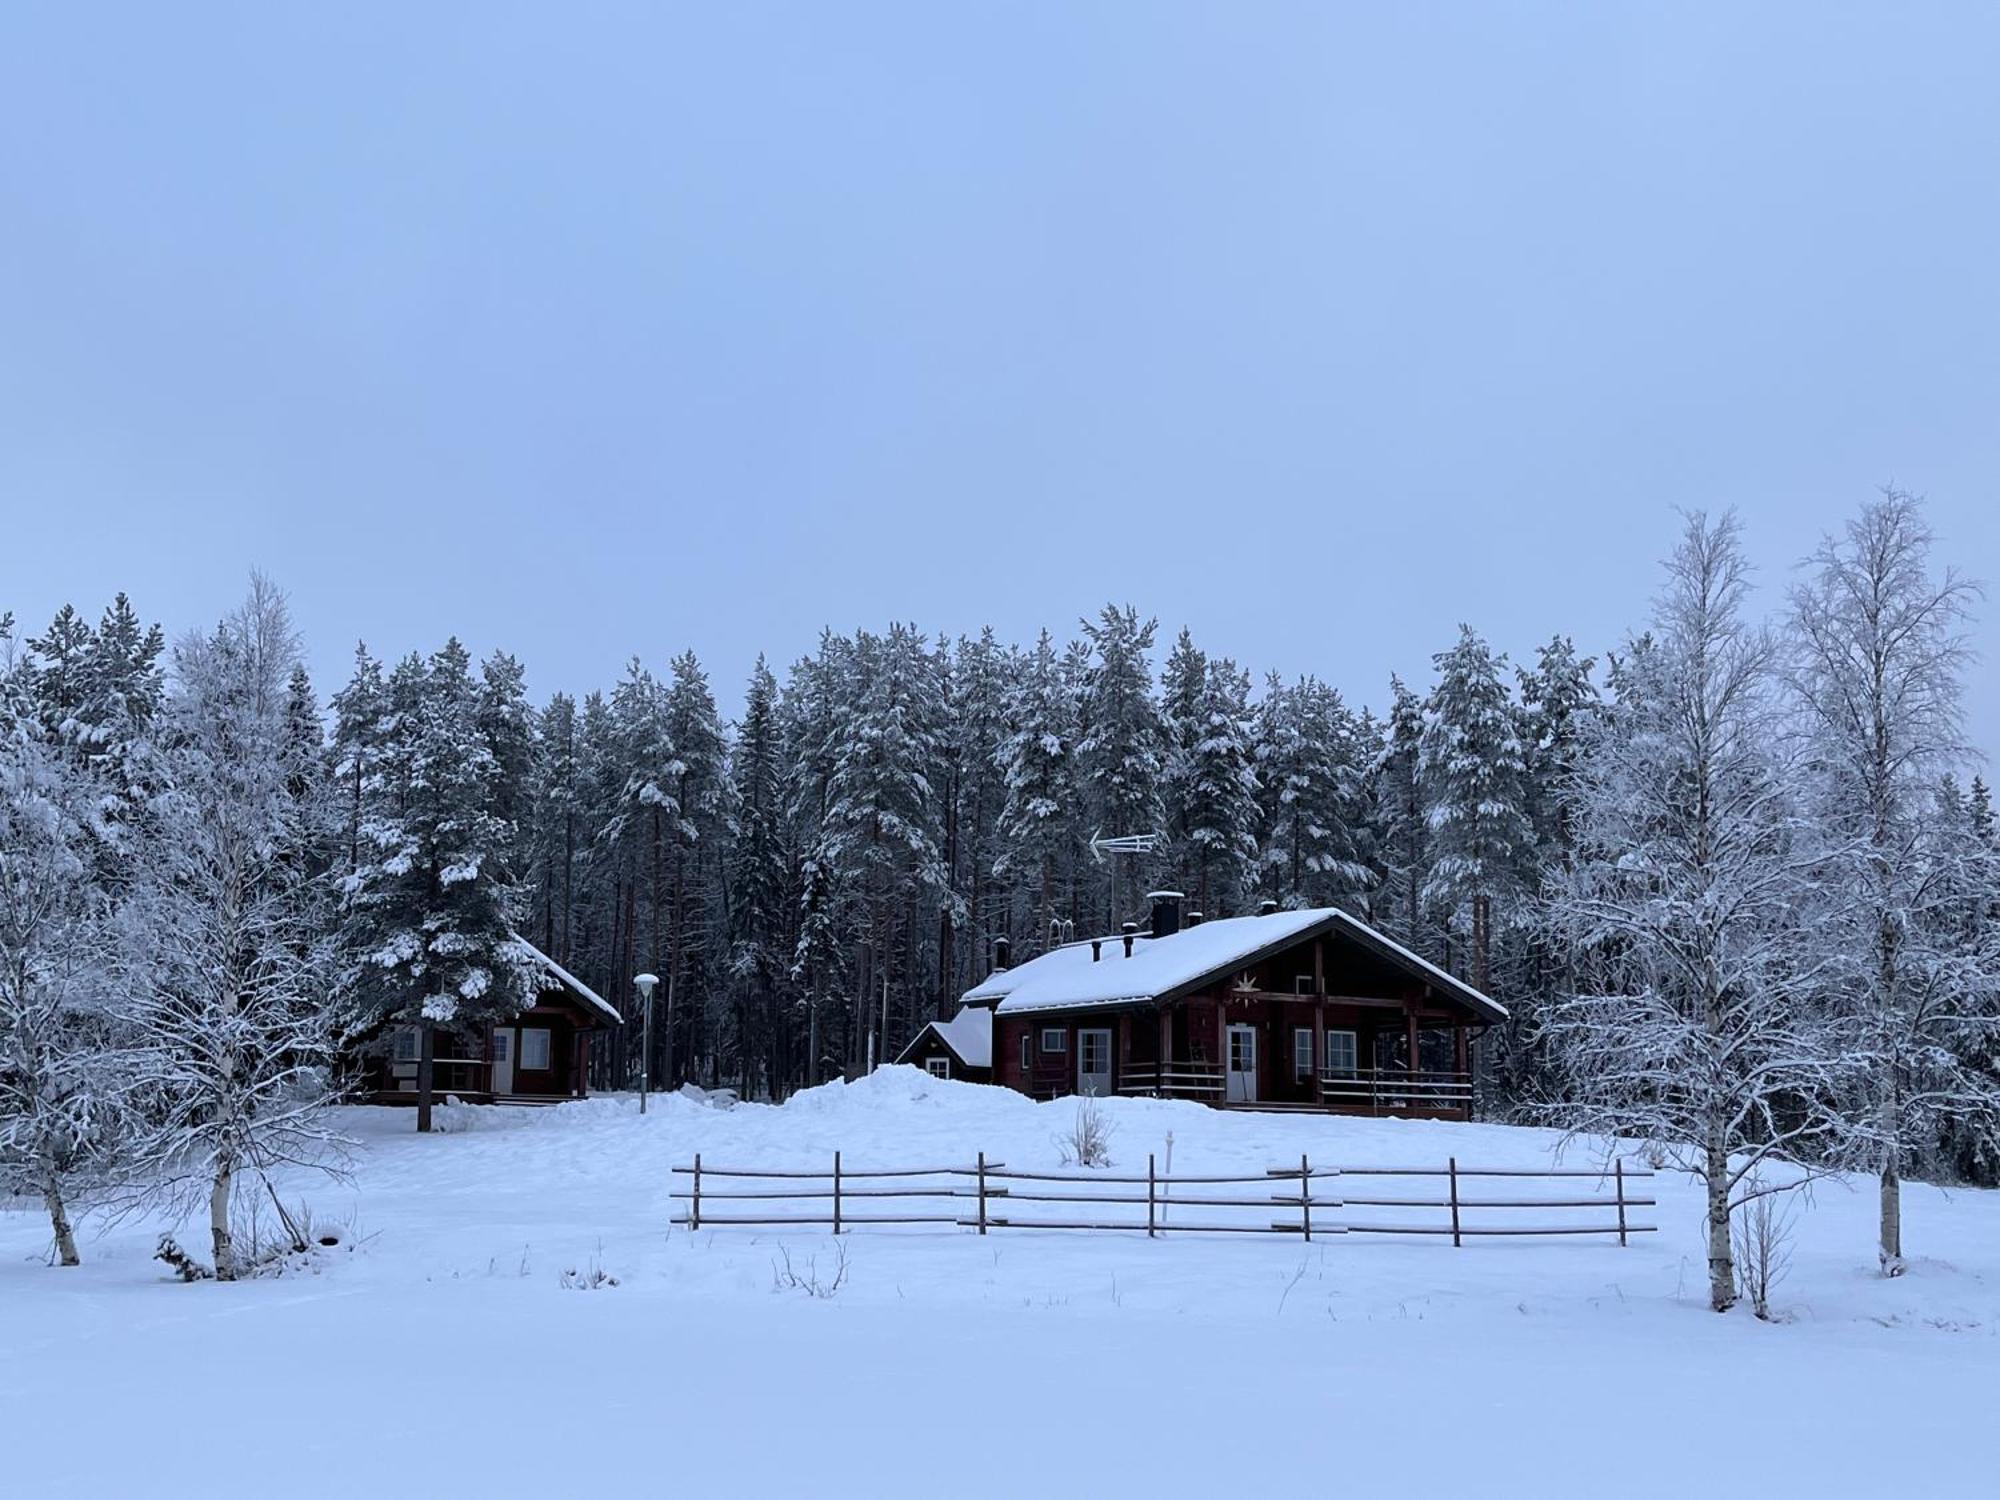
x=1324, y=1199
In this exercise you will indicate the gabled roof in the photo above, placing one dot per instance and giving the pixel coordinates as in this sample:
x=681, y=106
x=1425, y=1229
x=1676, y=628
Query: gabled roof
x=1165, y=968
x=968, y=1036
x=606, y=1011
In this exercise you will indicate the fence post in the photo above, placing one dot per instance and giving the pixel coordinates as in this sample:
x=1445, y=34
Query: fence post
x=1306, y=1195
x=694, y=1211
x=1452, y=1168
x=836, y=1192
x=1618, y=1174
x=982, y=1192
x=1149, y=1196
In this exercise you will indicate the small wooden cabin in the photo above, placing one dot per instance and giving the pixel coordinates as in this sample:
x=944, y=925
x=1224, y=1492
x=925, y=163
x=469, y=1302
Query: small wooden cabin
x=1302, y=1009
x=541, y=1056
x=960, y=1048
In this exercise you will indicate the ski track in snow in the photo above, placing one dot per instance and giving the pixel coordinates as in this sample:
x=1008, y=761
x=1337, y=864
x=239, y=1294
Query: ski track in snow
x=440, y=1351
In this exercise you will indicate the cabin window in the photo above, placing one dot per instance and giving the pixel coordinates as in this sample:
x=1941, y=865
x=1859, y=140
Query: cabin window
x=938, y=1067
x=1343, y=1054
x=1304, y=985
x=1027, y=1052
x=405, y=1044
x=1055, y=1039
x=534, y=1048
x=1302, y=1053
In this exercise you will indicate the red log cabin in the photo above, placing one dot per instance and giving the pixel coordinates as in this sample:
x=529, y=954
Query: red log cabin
x=1302, y=1009
x=541, y=1056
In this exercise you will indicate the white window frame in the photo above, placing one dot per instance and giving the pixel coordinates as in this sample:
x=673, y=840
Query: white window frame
x=501, y=1049
x=1304, y=985
x=1302, y=1055
x=938, y=1067
x=405, y=1046
x=1061, y=1035
x=547, y=1037
x=1027, y=1052
x=1352, y=1069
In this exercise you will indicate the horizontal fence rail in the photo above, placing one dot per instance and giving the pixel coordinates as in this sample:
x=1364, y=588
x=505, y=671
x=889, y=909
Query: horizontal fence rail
x=1320, y=1200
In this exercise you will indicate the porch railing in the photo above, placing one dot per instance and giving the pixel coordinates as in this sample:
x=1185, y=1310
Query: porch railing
x=1172, y=1080
x=1384, y=1090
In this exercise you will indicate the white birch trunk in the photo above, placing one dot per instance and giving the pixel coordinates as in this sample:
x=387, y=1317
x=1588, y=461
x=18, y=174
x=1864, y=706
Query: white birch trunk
x=1889, y=1252
x=1721, y=1259
x=218, y=1224
x=59, y=1222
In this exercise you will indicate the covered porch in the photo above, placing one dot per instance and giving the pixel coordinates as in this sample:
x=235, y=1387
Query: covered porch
x=1255, y=1049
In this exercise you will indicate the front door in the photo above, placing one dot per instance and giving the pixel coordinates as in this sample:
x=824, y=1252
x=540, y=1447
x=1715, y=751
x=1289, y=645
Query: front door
x=1242, y=1087
x=1093, y=1063
x=503, y=1059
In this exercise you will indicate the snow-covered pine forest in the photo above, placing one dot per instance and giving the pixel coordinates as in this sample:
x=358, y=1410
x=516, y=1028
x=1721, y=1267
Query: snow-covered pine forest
x=1735, y=876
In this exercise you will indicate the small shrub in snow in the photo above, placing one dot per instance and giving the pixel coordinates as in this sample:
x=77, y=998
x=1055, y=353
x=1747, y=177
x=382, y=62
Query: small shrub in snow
x=1764, y=1229
x=592, y=1278
x=784, y=1277
x=183, y=1265
x=1088, y=1140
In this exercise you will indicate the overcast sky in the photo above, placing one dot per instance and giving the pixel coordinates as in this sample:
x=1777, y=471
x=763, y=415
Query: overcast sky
x=592, y=330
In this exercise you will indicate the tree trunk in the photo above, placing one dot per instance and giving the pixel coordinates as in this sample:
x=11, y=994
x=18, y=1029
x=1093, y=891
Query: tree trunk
x=218, y=1224
x=1890, y=1251
x=1721, y=1261
x=426, y=1073
x=59, y=1222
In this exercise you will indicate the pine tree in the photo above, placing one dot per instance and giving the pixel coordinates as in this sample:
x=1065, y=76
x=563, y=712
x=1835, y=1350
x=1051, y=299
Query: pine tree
x=61, y=1091
x=1119, y=756
x=1038, y=766
x=701, y=797
x=982, y=726
x=757, y=873
x=1316, y=847
x=1220, y=788
x=1183, y=721
x=1405, y=837
x=882, y=819
x=1471, y=769
x=431, y=909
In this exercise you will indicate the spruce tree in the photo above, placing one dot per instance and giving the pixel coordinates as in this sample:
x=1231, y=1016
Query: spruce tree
x=1472, y=774
x=430, y=929
x=1119, y=756
x=1038, y=766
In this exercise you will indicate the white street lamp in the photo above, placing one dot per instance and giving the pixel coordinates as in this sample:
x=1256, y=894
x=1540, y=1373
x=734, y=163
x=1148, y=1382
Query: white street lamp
x=645, y=984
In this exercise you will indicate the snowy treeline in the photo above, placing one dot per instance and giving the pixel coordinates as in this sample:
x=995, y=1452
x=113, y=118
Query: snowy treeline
x=1736, y=884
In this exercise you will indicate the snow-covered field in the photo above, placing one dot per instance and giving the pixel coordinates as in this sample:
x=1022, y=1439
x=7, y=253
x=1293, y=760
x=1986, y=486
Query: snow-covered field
x=442, y=1354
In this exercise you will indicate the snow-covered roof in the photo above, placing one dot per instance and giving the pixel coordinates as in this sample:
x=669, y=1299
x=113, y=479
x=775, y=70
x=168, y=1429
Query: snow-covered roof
x=605, y=1009
x=969, y=1035
x=1068, y=977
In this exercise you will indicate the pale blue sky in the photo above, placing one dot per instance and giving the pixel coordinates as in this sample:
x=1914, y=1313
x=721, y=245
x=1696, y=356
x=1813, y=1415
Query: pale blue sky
x=587, y=330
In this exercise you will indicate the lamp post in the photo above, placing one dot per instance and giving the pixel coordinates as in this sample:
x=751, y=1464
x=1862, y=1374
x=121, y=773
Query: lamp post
x=645, y=984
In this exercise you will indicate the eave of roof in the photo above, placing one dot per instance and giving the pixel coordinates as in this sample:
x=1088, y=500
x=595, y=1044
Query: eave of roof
x=606, y=1011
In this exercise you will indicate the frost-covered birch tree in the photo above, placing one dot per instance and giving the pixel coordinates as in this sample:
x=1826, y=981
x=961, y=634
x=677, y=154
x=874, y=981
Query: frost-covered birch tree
x=1876, y=657
x=225, y=982
x=1684, y=905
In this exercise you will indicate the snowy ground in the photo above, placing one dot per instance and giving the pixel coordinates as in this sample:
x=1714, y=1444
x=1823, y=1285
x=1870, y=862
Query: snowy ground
x=443, y=1353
